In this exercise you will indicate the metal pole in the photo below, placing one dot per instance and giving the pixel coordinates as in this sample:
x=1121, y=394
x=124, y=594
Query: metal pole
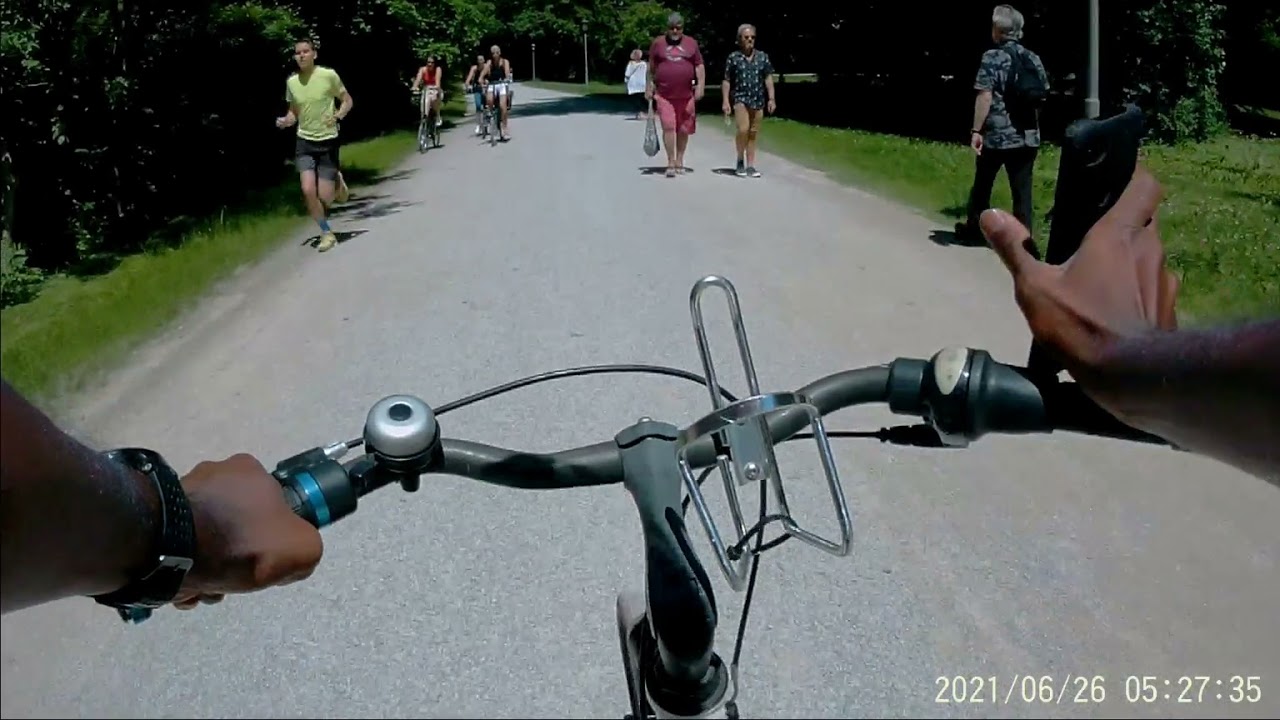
x=1092, y=105
x=586, y=71
x=533, y=60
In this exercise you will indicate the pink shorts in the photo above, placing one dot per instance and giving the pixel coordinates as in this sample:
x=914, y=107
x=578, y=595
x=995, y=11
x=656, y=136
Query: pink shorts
x=679, y=116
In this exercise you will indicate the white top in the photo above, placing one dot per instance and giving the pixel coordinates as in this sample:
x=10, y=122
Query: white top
x=637, y=73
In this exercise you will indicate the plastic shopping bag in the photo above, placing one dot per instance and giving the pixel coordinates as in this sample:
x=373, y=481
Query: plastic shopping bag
x=651, y=144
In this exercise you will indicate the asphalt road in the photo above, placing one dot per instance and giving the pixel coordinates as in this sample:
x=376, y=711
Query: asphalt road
x=1055, y=556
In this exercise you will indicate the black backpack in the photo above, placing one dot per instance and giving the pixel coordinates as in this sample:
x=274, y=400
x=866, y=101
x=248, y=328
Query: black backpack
x=1025, y=91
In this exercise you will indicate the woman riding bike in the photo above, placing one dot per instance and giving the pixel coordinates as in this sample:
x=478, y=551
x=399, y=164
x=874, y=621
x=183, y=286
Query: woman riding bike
x=430, y=76
x=471, y=85
x=498, y=73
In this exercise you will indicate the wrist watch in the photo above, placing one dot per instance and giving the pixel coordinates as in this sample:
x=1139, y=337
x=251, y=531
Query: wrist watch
x=174, y=547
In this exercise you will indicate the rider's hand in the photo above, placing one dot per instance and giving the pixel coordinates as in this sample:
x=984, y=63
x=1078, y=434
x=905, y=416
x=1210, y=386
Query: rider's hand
x=724, y=107
x=247, y=537
x=975, y=142
x=1116, y=285
x=771, y=107
x=698, y=93
x=284, y=121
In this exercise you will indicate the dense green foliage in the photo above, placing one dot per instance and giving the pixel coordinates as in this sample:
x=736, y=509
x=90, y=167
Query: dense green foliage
x=125, y=118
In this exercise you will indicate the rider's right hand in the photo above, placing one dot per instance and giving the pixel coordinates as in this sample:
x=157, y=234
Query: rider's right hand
x=247, y=536
x=1115, y=286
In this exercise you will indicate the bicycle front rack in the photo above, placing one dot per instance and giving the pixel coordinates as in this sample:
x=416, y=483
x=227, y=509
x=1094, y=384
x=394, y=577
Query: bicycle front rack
x=741, y=430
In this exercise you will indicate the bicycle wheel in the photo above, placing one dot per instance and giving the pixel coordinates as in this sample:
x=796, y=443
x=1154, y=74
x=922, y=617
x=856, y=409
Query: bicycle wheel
x=422, y=136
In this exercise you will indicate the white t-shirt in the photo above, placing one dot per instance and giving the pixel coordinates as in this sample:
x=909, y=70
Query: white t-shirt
x=637, y=73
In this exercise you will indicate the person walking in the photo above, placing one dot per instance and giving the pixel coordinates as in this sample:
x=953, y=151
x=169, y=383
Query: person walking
x=1011, y=82
x=637, y=78
x=748, y=93
x=472, y=86
x=677, y=81
x=310, y=93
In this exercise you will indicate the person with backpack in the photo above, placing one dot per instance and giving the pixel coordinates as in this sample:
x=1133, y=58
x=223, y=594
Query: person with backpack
x=1012, y=86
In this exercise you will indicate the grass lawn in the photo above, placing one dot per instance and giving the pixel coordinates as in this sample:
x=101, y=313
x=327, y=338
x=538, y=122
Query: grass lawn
x=1220, y=221
x=76, y=327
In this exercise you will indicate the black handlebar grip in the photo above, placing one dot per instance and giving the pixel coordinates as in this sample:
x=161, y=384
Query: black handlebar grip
x=1070, y=409
x=320, y=493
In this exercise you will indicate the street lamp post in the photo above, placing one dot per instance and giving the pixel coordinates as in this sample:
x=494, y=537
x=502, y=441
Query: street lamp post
x=586, y=70
x=1092, y=105
x=533, y=60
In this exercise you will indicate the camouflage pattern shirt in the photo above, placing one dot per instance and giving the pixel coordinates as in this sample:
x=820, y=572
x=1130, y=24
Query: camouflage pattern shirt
x=998, y=132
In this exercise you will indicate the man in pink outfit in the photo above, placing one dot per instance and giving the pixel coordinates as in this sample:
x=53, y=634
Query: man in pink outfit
x=677, y=81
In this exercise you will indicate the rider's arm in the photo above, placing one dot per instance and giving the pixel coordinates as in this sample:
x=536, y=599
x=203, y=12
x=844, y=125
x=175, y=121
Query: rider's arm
x=484, y=72
x=73, y=522
x=417, y=81
x=1215, y=391
x=471, y=75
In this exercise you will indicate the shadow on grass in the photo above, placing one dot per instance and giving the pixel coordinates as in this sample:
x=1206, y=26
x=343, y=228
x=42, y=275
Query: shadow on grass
x=1272, y=199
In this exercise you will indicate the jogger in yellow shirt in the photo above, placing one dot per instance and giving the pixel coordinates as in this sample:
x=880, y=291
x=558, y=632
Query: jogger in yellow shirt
x=310, y=93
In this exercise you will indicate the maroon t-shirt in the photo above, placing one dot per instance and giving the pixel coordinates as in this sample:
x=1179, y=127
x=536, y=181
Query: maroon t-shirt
x=674, y=66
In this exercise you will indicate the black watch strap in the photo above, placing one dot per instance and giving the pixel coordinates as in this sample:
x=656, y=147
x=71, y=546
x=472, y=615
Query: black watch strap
x=175, y=542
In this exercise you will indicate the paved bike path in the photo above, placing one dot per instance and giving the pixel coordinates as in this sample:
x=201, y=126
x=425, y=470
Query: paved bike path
x=473, y=265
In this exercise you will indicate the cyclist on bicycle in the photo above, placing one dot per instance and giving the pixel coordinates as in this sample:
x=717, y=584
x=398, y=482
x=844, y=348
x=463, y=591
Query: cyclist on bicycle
x=429, y=75
x=471, y=85
x=497, y=74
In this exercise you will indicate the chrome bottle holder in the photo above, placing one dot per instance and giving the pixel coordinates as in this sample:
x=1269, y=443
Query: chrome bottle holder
x=742, y=427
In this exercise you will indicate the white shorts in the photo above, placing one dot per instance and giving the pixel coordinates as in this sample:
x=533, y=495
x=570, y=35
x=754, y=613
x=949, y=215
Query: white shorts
x=499, y=88
x=429, y=94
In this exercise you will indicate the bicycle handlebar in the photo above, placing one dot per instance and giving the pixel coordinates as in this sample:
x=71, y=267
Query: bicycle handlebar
x=961, y=394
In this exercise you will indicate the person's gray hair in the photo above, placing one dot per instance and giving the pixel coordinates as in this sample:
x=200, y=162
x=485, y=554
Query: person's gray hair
x=745, y=27
x=675, y=18
x=1008, y=21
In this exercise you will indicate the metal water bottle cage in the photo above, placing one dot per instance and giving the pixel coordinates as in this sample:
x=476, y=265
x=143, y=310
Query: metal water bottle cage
x=746, y=449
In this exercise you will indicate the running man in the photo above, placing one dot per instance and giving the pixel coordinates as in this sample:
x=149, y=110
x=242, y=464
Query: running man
x=310, y=93
x=472, y=86
x=429, y=75
x=497, y=73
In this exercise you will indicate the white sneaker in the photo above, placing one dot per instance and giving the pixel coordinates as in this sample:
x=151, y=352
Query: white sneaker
x=477, y=129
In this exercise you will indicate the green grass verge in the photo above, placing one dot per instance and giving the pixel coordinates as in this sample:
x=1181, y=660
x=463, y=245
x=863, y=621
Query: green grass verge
x=1220, y=221
x=76, y=328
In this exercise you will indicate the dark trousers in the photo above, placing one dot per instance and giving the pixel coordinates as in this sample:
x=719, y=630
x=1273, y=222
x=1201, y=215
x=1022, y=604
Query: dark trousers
x=1018, y=164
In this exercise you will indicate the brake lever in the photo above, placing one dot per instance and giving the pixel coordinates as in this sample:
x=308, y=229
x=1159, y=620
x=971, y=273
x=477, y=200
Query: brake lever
x=923, y=435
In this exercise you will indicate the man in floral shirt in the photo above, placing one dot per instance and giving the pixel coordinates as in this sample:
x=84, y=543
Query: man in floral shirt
x=748, y=92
